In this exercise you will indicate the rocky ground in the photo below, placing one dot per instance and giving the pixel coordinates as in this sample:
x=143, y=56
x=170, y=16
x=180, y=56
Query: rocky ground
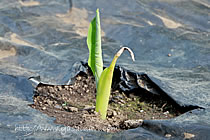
x=74, y=106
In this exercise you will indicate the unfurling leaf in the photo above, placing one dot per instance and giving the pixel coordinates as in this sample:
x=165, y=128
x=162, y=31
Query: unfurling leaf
x=104, y=84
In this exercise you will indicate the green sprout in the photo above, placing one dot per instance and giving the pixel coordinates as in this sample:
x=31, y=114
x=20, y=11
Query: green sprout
x=64, y=104
x=103, y=77
x=95, y=60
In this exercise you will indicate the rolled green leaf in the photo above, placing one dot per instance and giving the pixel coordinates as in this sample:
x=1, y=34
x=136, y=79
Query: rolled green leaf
x=104, y=84
x=95, y=60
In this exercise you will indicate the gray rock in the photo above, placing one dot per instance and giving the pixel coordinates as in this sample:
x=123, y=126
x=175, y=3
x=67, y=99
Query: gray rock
x=128, y=124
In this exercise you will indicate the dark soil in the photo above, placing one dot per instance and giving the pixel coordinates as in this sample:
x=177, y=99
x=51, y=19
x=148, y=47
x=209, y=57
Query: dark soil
x=73, y=105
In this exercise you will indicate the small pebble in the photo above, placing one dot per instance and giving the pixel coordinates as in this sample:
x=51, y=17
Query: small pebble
x=49, y=102
x=66, y=87
x=122, y=101
x=114, y=113
x=168, y=135
x=59, y=88
x=44, y=108
x=79, y=78
x=39, y=88
x=188, y=135
x=73, y=109
x=109, y=119
x=85, y=86
x=109, y=114
x=58, y=107
x=96, y=113
x=132, y=123
x=88, y=107
x=165, y=113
